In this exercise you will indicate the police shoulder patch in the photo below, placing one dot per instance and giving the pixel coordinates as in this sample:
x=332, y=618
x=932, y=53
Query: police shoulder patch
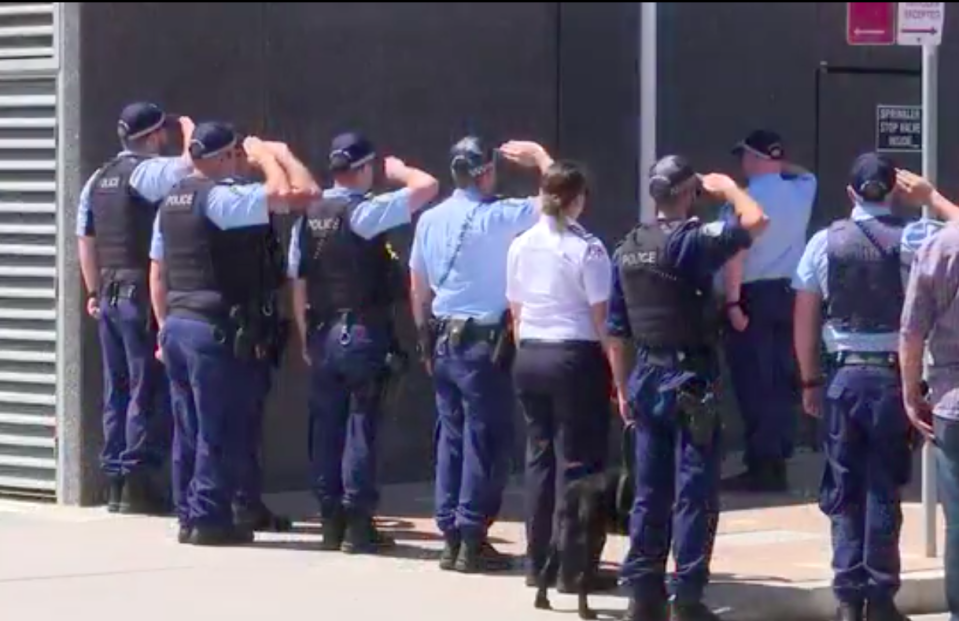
x=713, y=229
x=595, y=250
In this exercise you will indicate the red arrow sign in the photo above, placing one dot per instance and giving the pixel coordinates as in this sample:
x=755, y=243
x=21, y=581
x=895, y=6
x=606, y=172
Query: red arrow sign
x=871, y=23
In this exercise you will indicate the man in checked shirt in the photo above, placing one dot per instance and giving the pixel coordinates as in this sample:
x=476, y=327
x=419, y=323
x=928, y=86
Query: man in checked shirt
x=931, y=317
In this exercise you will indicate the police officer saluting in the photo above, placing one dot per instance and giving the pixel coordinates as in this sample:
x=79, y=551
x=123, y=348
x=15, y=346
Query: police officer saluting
x=203, y=295
x=856, y=267
x=117, y=208
x=344, y=292
x=662, y=280
x=266, y=336
x=458, y=272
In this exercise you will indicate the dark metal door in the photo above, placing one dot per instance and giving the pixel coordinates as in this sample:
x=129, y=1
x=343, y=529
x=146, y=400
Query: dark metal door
x=846, y=126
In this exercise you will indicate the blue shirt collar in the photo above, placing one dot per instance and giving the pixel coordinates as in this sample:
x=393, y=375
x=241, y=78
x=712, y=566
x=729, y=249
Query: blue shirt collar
x=471, y=193
x=339, y=190
x=870, y=210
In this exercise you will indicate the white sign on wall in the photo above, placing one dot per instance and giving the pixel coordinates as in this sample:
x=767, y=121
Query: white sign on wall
x=920, y=23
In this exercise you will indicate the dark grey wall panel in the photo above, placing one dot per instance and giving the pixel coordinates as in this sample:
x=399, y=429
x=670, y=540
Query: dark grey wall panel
x=598, y=107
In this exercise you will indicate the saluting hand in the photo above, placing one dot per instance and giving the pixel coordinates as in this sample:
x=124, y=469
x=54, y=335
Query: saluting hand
x=718, y=184
x=913, y=189
x=523, y=152
x=395, y=169
x=186, y=127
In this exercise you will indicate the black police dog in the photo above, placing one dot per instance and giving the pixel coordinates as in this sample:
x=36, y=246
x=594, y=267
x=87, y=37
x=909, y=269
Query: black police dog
x=594, y=506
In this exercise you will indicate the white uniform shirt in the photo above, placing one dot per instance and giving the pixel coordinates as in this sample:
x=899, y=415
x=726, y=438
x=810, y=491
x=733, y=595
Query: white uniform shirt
x=556, y=277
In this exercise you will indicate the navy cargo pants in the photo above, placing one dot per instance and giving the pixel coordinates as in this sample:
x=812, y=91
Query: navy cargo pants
x=347, y=371
x=677, y=490
x=473, y=438
x=761, y=363
x=249, y=483
x=868, y=461
x=207, y=404
x=136, y=399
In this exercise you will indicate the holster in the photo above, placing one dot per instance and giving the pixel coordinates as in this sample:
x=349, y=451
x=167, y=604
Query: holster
x=504, y=344
x=699, y=411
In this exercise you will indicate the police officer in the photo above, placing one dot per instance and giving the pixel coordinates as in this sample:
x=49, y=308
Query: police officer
x=662, y=280
x=855, y=267
x=344, y=291
x=203, y=294
x=267, y=340
x=558, y=284
x=759, y=307
x=458, y=272
x=117, y=208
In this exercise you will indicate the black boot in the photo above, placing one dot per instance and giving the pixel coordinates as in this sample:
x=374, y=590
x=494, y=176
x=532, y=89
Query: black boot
x=849, y=612
x=691, y=611
x=115, y=494
x=220, y=536
x=602, y=581
x=652, y=609
x=451, y=550
x=362, y=536
x=183, y=534
x=141, y=497
x=479, y=556
x=260, y=519
x=884, y=611
x=333, y=529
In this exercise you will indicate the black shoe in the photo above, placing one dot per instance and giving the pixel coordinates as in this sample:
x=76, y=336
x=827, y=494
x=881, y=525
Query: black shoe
x=647, y=610
x=115, y=495
x=220, y=536
x=603, y=581
x=451, y=550
x=362, y=536
x=183, y=534
x=333, y=530
x=481, y=557
x=850, y=612
x=141, y=497
x=884, y=611
x=693, y=611
x=261, y=520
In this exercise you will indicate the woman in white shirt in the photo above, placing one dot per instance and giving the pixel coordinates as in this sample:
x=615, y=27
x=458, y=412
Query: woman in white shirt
x=558, y=285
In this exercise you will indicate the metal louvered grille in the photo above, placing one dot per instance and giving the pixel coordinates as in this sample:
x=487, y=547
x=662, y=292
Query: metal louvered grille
x=28, y=251
x=26, y=30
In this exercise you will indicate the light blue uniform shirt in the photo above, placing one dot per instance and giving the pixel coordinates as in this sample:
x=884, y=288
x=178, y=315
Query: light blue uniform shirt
x=787, y=202
x=152, y=179
x=812, y=275
x=476, y=284
x=368, y=219
x=228, y=207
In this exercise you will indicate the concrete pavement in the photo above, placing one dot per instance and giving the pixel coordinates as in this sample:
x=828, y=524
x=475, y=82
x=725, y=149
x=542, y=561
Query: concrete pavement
x=771, y=562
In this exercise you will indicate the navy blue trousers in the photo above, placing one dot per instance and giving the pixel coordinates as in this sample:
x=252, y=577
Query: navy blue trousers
x=868, y=461
x=249, y=481
x=347, y=377
x=474, y=437
x=762, y=366
x=677, y=491
x=208, y=412
x=564, y=389
x=136, y=401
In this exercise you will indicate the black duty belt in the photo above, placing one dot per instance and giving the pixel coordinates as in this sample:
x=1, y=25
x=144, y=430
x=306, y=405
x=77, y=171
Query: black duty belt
x=866, y=359
x=469, y=331
x=115, y=291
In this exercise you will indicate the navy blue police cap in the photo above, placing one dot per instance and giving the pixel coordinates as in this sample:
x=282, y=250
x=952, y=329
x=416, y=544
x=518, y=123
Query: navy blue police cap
x=211, y=139
x=350, y=151
x=873, y=177
x=762, y=143
x=669, y=175
x=471, y=156
x=141, y=119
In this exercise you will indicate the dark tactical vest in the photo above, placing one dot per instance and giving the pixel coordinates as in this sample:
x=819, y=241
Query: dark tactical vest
x=209, y=272
x=123, y=223
x=666, y=310
x=344, y=272
x=865, y=290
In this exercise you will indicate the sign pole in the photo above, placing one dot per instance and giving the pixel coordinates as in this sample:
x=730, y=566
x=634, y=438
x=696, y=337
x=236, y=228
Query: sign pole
x=930, y=148
x=647, y=106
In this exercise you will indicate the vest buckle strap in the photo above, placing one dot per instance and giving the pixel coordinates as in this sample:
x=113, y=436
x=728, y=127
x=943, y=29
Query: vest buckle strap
x=867, y=359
